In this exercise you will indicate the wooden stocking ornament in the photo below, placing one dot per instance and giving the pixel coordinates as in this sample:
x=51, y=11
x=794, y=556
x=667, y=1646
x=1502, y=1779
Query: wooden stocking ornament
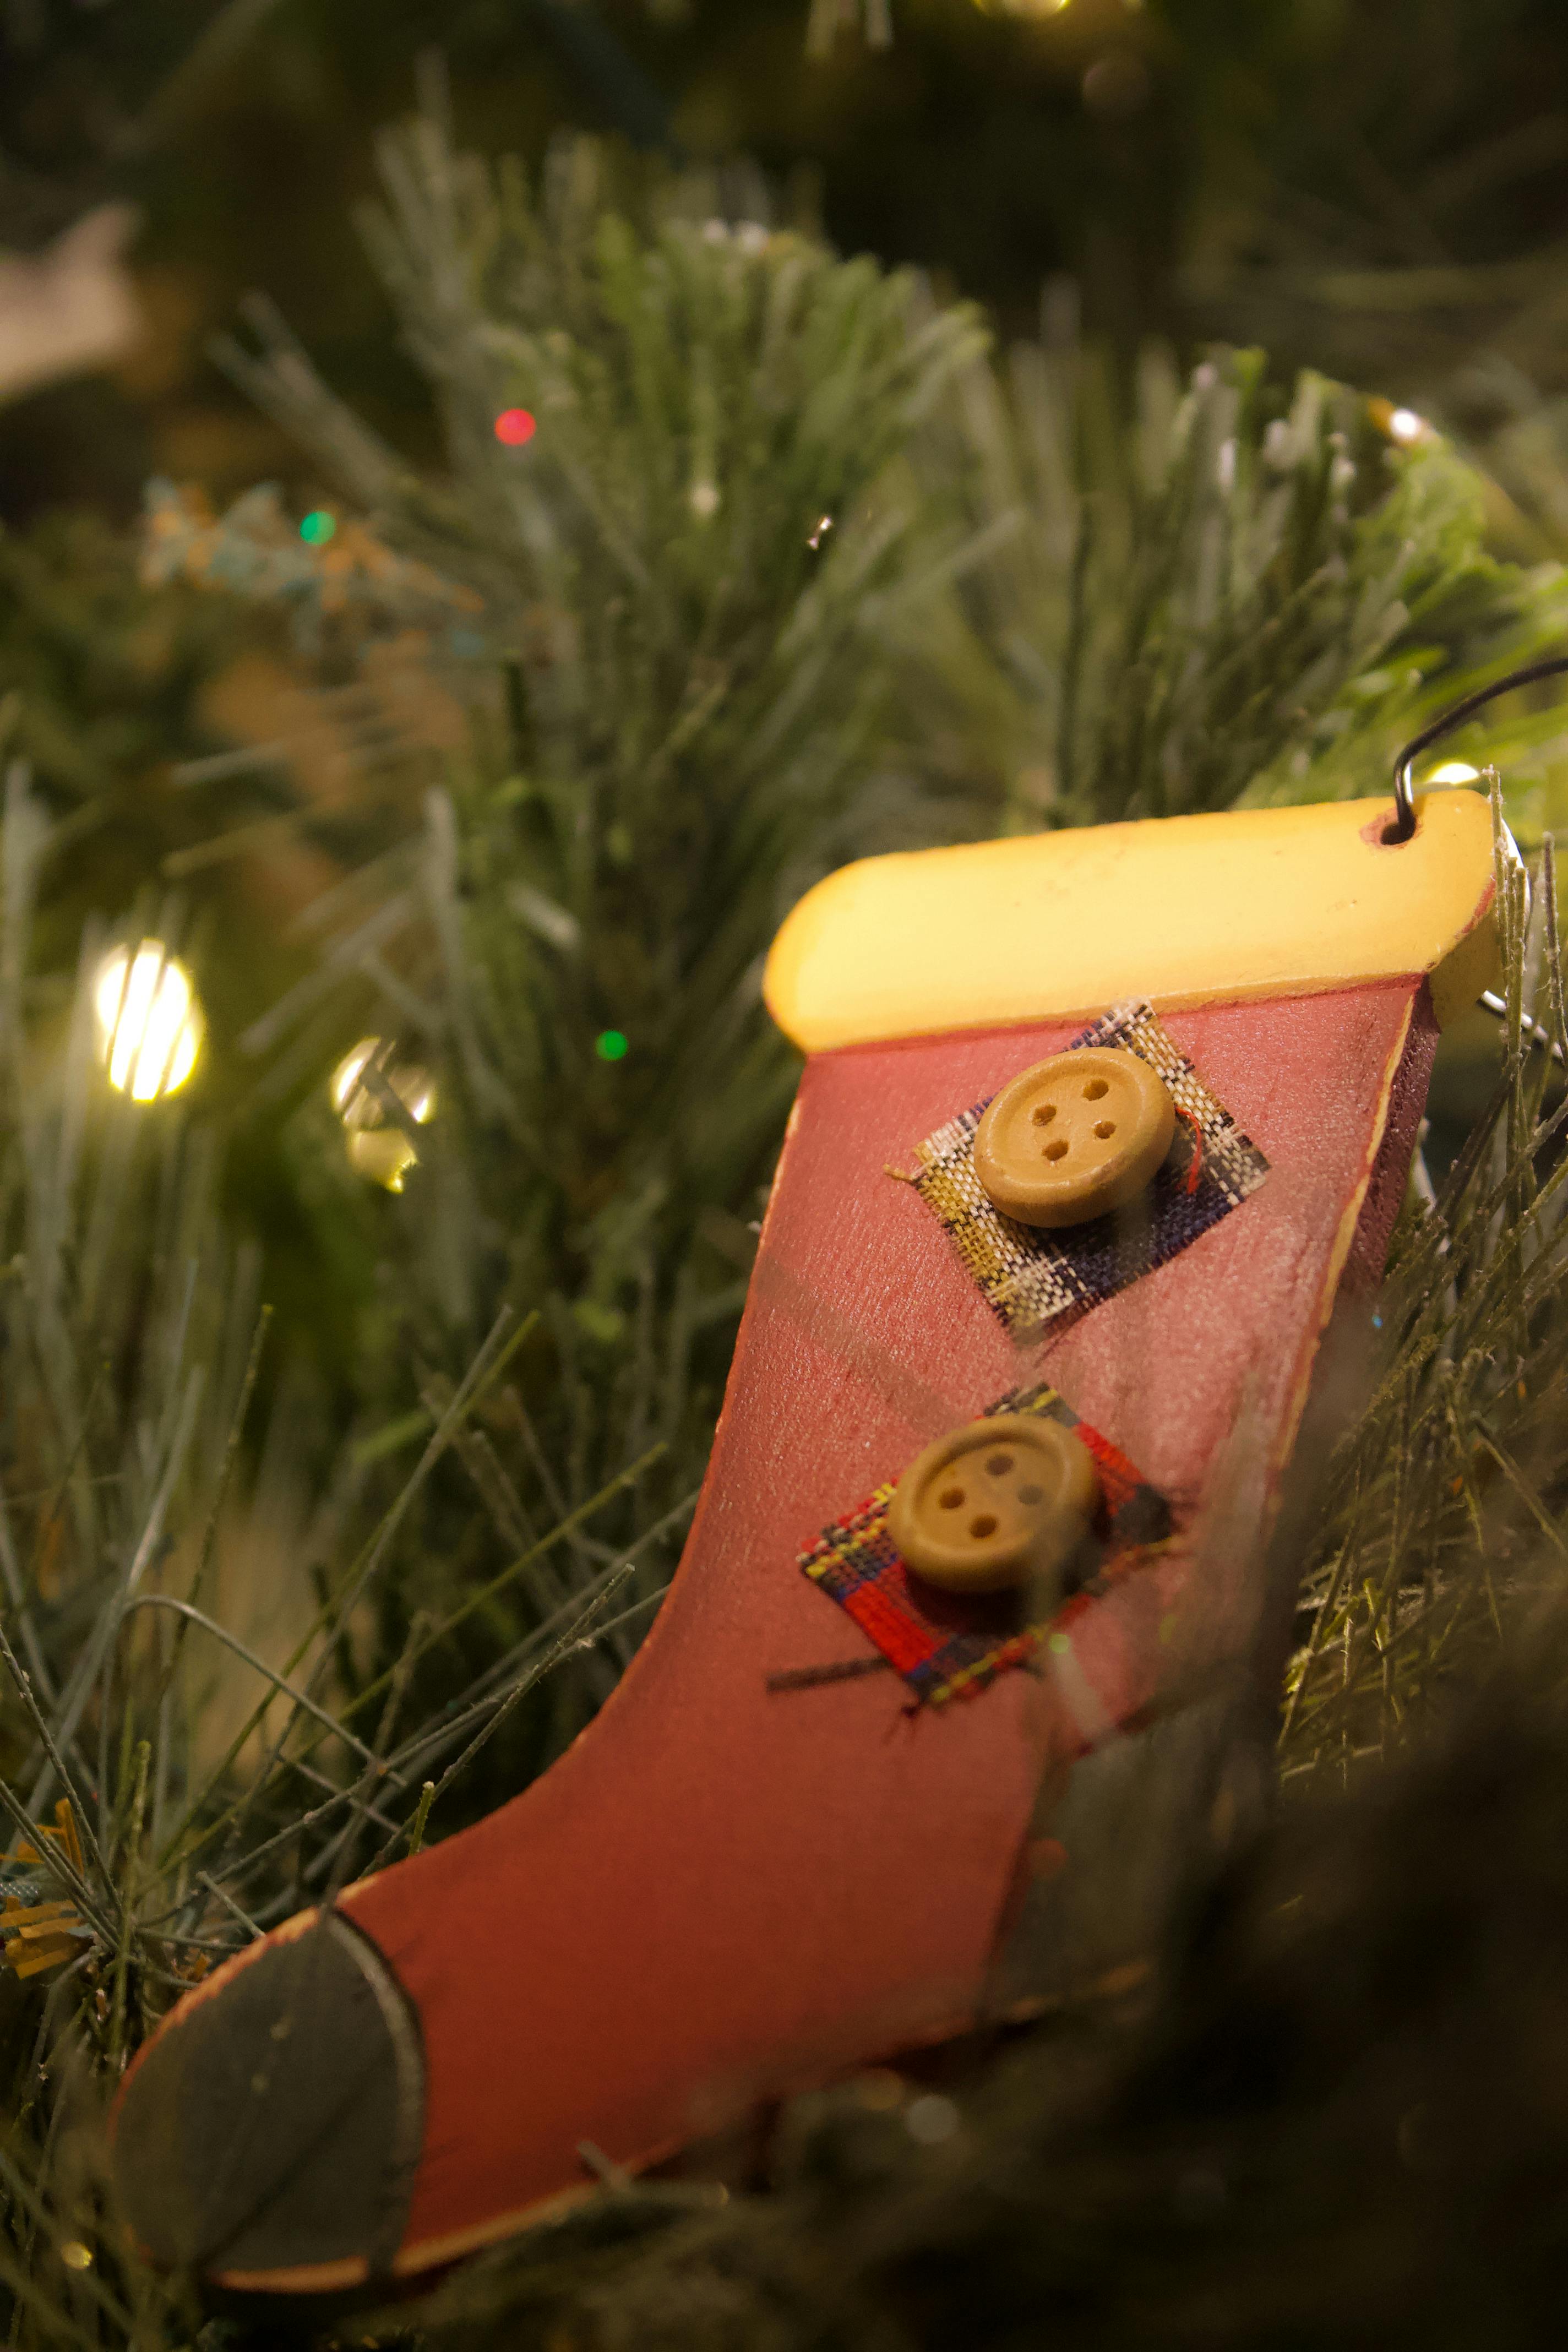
x=838, y=1807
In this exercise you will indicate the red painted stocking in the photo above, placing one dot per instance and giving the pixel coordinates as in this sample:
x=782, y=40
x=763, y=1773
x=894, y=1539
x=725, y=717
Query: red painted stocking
x=745, y=1878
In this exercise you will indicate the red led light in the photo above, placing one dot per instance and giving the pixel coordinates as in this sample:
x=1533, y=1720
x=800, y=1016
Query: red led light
x=514, y=426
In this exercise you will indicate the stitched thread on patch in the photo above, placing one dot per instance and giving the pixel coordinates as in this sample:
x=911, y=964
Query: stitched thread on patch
x=956, y=1654
x=1030, y=1278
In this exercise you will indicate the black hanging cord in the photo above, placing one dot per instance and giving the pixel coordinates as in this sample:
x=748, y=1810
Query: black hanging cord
x=1404, y=823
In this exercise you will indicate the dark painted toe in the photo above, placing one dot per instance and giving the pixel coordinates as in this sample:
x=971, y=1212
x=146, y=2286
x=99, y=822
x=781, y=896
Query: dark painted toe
x=273, y=2125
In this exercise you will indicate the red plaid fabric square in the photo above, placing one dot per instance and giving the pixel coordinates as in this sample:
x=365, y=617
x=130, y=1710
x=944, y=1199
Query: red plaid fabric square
x=945, y=1646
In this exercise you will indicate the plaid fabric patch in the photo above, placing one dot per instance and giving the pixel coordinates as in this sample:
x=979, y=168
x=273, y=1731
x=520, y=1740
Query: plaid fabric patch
x=1031, y=1278
x=949, y=1647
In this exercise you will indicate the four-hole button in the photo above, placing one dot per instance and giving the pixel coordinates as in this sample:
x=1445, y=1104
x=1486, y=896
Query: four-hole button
x=1074, y=1136
x=998, y=1503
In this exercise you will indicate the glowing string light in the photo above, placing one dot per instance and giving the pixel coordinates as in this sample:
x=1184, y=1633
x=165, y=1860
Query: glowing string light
x=1454, y=771
x=613, y=1046
x=377, y=1148
x=515, y=427
x=150, y=1025
x=319, y=528
x=1405, y=427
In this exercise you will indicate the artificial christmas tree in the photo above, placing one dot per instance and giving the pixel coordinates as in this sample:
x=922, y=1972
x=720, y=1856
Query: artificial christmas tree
x=681, y=697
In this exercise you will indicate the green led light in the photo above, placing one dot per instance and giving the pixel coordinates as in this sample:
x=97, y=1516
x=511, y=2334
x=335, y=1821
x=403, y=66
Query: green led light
x=611, y=1047
x=318, y=527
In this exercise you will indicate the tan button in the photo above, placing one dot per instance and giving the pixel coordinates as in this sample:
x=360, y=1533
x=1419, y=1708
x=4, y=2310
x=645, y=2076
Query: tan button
x=1074, y=1136
x=995, y=1504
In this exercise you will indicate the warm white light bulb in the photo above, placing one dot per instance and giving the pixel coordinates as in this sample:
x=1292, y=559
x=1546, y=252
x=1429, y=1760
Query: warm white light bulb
x=149, y=1024
x=1454, y=771
x=1405, y=426
x=376, y=1149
